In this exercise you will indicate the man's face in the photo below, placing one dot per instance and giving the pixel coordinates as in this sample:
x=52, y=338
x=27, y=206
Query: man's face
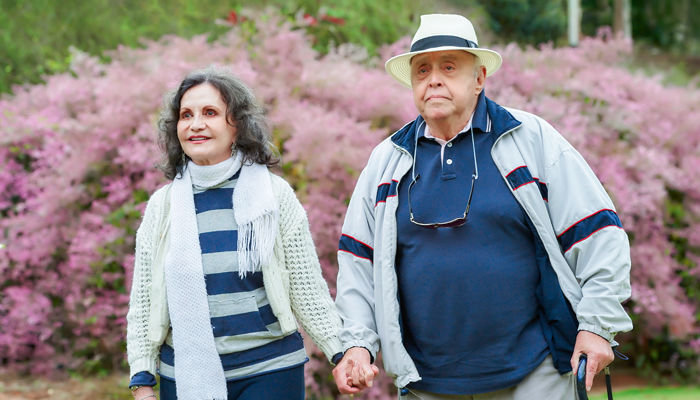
x=444, y=85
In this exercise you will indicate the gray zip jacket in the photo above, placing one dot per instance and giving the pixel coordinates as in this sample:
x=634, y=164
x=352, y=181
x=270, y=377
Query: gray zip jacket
x=573, y=216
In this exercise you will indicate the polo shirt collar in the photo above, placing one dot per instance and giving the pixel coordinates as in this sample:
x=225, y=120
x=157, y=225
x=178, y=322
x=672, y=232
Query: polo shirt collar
x=481, y=119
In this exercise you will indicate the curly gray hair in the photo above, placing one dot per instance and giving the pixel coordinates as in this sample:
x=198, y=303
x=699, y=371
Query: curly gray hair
x=253, y=129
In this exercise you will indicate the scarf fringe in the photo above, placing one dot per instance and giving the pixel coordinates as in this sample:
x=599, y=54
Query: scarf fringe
x=256, y=241
x=257, y=216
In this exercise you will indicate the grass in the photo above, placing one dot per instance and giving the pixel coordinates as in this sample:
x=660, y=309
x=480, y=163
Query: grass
x=665, y=393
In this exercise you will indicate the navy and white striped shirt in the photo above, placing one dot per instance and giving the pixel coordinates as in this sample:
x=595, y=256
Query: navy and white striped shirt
x=247, y=334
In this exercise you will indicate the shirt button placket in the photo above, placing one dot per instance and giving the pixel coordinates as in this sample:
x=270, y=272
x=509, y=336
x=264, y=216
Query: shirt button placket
x=448, y=170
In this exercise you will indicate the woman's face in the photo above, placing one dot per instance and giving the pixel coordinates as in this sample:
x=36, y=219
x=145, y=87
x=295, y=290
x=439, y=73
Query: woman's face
x=204, y=132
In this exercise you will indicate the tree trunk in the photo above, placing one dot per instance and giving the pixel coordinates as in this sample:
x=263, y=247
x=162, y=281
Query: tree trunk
x=574, y=11
x=622, y=19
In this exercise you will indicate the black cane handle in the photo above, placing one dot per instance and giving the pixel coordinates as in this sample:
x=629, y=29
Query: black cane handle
x=581, y=378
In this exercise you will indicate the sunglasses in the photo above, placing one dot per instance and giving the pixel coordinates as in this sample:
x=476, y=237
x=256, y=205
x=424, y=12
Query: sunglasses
x=457, y=222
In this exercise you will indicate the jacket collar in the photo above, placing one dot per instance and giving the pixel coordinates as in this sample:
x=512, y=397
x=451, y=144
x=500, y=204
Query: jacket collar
x=501, y=122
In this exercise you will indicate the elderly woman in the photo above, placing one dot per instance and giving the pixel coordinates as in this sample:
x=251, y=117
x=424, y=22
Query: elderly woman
x=224, y=258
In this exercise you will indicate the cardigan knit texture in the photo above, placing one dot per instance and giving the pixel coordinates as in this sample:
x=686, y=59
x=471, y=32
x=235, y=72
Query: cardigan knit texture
x=293, y=281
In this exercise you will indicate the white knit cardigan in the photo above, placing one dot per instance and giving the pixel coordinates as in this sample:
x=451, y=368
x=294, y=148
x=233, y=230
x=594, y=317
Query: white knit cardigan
x=293, y=281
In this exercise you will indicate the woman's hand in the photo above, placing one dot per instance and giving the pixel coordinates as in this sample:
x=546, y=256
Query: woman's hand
x=142, y=392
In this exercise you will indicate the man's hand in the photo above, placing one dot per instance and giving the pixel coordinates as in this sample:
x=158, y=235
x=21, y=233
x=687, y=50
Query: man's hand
x=354, y=372
x=598, y=351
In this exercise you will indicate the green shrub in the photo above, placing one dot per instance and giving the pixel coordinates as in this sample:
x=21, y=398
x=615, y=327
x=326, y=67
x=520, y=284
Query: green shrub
x=369, y=23
x=669, y=24
x=36, y=34
x=596, y=13
x=525, y=21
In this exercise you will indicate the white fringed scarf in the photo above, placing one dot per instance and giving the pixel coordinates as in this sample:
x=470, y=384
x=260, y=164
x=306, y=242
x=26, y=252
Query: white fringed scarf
x=199, y=373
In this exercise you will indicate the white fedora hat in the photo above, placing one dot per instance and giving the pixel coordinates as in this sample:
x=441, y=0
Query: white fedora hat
x=440, y=32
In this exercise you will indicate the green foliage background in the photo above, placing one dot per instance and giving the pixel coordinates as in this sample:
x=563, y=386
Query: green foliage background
x=35, y=35
x=671, y=25
x=527, y=21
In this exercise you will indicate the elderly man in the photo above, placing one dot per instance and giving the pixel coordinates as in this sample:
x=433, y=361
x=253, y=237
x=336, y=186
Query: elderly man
x=479, y=251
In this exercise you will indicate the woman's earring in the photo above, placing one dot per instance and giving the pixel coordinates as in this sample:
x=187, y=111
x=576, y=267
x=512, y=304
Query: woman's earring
x=184, y=158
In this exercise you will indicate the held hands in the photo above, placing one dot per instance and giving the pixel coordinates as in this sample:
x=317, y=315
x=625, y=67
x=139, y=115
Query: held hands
x=598, y=351
x=354, y=372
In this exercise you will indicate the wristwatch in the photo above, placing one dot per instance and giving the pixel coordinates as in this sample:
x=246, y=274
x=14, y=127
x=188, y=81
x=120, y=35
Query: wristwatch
x=135, y=387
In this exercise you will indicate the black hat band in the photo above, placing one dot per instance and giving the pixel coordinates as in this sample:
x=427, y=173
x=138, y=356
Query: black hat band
x=441, y=41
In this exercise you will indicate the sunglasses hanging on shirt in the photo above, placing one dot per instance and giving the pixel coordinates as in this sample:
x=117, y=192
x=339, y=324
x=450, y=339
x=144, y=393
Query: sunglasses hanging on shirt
x=457, y=222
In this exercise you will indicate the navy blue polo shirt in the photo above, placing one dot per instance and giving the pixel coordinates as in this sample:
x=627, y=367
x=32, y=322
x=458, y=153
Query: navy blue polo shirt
x=469, y=311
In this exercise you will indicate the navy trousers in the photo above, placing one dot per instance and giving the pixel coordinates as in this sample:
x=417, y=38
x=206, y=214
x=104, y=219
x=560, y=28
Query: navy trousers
x=287, y=384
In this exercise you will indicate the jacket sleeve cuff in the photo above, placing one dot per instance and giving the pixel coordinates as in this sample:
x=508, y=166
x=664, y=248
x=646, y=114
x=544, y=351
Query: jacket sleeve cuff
x=336, y=358
x=598, y=330
x=364, y=345
x=143, y=364
x=143, y=378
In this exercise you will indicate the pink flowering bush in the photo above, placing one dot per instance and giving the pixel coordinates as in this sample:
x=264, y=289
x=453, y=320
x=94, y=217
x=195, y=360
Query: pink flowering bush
x=77, y=162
